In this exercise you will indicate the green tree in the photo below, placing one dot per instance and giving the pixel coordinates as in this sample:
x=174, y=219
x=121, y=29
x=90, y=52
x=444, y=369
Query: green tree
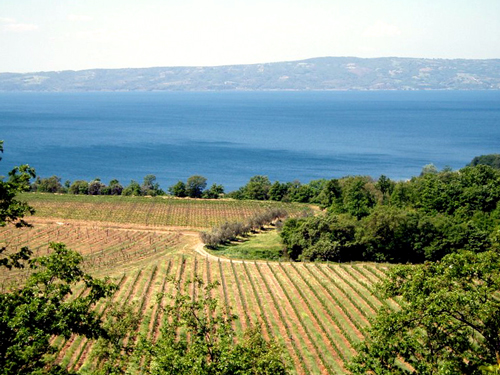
x=330, y=194
x=11, y=209
x=30, y=315
x=115, y=188
x=300, y=193
x=257, y=188
x=150, y=186
x=79, y=187
x=215, y=192
x=493, y=160
x=278, y=191
x=96, y=187
x=178, y=190
x=195, y=186
x=113, y=352
x=321, y=237
x=48, y=185
x=132, y=189
x=198, y=338
x=448, y=323
x=385, y=185
x=357, y=198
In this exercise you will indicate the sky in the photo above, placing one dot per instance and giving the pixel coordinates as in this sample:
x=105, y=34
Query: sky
x=51, y=35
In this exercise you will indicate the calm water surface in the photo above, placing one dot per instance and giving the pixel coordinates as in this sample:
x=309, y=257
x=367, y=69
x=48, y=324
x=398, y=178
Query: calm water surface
x=229, y=137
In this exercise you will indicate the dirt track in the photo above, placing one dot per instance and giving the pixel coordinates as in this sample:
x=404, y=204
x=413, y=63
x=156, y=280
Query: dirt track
x=198, y=247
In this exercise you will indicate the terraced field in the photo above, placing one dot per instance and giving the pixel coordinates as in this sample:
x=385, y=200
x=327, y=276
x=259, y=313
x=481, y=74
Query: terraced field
x=317, y=311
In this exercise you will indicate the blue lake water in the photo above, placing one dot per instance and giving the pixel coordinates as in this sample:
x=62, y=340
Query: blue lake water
x=230, y=136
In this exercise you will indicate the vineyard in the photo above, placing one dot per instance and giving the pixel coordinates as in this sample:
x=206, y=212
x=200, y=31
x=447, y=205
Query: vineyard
x=149, y=211
x=317, y=311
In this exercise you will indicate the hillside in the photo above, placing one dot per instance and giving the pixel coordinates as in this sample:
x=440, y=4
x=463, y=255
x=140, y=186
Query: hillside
x=327, y=73
x=318, y=312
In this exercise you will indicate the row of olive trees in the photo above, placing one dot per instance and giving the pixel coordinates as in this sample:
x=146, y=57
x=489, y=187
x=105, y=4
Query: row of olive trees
x=231, y=231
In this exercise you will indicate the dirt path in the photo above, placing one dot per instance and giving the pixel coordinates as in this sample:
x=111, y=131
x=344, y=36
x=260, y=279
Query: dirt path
x=198, y=247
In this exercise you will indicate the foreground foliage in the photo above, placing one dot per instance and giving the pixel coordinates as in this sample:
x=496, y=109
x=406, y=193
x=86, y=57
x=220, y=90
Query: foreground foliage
x=198, y=338
x=449, y=321
x=31, y=315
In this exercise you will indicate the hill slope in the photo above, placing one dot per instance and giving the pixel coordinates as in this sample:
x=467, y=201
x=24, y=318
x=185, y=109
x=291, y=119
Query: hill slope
x=327, y=73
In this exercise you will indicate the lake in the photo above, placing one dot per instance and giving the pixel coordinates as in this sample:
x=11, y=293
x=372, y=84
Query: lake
x=230, y=136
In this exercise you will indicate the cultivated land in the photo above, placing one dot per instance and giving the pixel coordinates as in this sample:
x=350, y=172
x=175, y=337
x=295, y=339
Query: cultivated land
x=317, y=311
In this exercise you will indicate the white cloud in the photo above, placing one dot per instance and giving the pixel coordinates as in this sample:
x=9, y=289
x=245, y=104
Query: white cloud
x=79, y=18
x=20, y=27
x=11, y=24
x=381, y=29
x=7, y=20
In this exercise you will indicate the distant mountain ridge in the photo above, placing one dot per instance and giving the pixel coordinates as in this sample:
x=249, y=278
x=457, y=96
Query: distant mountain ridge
x=324, y=73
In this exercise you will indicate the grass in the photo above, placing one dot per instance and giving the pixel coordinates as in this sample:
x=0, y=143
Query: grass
x=265, y=245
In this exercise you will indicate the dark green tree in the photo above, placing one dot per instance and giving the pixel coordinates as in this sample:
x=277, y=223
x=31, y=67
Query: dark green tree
x=300, y=193
x=48, y=185
x=79, y=187
x=257, y=188
x=132, y=189
x=357, y=198
x=279, y=191
x=493, y=160
x=321, y=237
x=96, y=187
x=385, y=186
x=391, y=234
x=115, y=188
x=178, y=190
x=195, y=186
x=215, y=192
x=428, y=169
x=13, y=210
x=330, y=194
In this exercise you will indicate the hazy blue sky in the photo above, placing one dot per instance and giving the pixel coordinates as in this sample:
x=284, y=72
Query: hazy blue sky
x=82, y=34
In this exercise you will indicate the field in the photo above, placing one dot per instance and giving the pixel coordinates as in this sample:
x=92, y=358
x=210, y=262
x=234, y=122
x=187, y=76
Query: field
x=151, y=212
x=317, y=311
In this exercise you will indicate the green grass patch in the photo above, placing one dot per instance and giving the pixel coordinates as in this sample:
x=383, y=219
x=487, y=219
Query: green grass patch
x=265, y=245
